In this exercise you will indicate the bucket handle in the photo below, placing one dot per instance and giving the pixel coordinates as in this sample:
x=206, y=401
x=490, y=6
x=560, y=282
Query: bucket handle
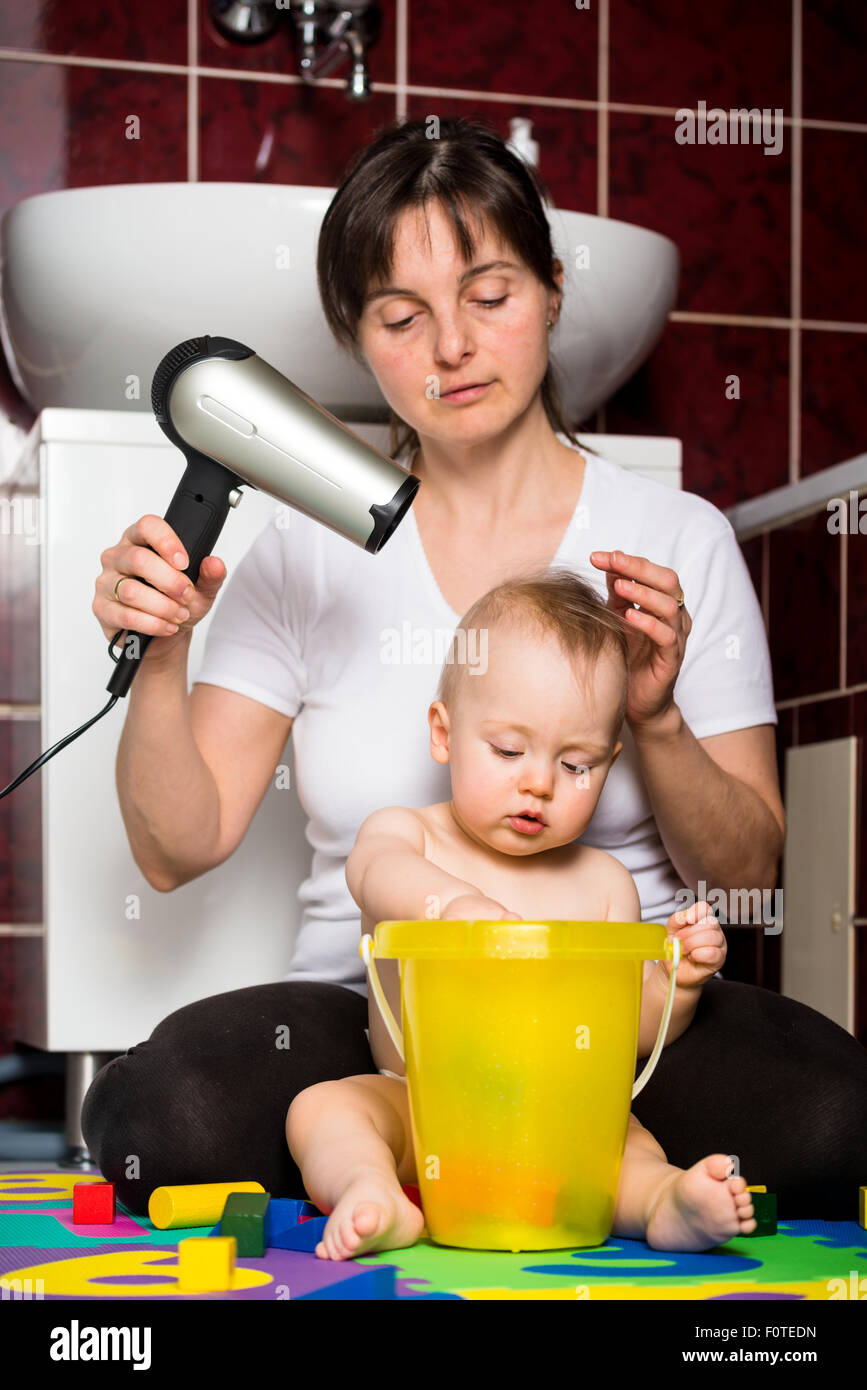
x=367, y=950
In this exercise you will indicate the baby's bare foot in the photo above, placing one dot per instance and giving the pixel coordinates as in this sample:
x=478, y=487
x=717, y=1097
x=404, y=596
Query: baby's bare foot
x=701, y=1208
x=373, y=1214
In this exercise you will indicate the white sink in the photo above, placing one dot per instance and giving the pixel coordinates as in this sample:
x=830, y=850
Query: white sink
x=99, y=283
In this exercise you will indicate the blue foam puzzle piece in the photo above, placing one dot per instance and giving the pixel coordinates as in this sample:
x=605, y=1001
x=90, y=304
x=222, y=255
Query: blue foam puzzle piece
x=371, y=1282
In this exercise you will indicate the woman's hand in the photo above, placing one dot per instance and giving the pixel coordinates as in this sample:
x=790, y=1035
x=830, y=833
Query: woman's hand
x=703, y=946
x=155, y=592
x=470, y=907
x=657, y=632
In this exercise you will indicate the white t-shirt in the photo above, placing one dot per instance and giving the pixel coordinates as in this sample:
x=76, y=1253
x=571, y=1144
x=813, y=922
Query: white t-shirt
x=310, y=624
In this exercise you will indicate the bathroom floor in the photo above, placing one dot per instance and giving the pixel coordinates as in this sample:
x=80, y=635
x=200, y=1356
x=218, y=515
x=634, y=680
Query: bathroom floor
x=131, y=1258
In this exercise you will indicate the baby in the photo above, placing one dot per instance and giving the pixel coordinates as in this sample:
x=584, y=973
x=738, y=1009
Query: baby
x=530, y=741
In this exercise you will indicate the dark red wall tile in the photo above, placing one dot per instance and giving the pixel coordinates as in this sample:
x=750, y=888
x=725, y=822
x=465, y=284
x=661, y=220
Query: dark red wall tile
x=819, y=721
x=274, y=54
x=834, y=285
x=833, y=405
x=533, y=50
x=804, y=608
x=726, y=207
x=66, y=128
x=261, y=133
x=132, y=30
x=835, y=58
x=856, y=599
x=732, y=449
x=281, y=52
x=37, y=1097
x=785, y=738
x=676, y=53
x=20, y=824
x=566, y=140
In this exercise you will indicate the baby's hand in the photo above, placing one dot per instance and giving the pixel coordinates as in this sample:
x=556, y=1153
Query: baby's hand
x=703, y=946
x=471, y=907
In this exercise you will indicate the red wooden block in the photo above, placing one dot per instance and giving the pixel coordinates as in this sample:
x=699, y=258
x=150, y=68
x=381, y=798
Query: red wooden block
x=93, y=1203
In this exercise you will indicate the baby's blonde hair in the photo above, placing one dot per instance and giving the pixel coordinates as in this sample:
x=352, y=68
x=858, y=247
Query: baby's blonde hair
x=556, y=603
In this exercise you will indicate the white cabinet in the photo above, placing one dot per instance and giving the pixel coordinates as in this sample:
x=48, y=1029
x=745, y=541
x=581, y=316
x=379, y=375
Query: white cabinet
x=113, y=956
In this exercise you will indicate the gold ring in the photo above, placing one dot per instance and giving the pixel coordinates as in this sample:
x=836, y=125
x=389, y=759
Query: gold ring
x=119, y=581
x=680, y=600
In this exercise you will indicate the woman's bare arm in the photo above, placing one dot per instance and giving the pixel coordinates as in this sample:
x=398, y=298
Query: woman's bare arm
x=192, y=768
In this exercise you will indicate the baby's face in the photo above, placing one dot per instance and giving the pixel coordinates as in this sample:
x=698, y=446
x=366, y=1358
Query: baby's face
x=522, y=737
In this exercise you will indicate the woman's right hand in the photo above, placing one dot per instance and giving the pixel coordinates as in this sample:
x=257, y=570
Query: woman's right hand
x=150, y=550
x=472, y=907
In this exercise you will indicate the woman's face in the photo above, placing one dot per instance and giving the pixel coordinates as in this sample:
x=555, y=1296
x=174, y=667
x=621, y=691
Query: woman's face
x=440, y=324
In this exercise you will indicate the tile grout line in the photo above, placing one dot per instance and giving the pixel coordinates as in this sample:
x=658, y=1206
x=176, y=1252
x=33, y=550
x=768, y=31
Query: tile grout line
x=337, y=83
x=766, y=321
x=816, y=695
x=602, y=113
x=401, y=56
x=192, y=94
x=795, y=268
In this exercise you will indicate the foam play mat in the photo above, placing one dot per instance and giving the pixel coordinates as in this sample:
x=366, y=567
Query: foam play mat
x=43, y=1251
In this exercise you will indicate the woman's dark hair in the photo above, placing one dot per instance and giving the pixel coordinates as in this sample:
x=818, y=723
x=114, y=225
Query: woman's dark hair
x=467, y=168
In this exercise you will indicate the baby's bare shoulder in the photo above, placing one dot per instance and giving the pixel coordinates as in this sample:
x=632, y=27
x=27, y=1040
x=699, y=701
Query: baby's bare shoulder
x=623, y=902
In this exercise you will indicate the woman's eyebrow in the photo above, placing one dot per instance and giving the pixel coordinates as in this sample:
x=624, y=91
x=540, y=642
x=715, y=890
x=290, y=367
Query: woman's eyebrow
x=462, y=279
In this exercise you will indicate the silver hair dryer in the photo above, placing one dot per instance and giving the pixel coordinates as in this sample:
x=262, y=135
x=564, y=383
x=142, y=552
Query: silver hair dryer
x=239, y=421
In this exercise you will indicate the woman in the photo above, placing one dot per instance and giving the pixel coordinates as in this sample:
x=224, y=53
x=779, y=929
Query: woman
x=453, y=316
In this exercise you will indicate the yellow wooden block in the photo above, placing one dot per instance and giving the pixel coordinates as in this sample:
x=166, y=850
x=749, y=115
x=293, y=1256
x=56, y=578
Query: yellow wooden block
x=193, y=1204
x=862, y=1207
x=757, y=1189
x=206, y=1264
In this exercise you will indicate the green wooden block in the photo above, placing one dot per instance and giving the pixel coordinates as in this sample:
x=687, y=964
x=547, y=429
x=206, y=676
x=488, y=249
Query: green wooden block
x=244, y=1218
x=765, y=1213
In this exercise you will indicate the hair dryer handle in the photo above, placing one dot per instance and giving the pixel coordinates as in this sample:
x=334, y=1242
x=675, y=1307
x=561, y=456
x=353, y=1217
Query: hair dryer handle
x=196, y=514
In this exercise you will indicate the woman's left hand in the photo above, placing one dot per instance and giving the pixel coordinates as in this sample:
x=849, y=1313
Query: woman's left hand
x=657, y=631
x=703, y=946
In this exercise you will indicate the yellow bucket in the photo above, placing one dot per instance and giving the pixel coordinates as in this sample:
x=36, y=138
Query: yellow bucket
x=520, y=1047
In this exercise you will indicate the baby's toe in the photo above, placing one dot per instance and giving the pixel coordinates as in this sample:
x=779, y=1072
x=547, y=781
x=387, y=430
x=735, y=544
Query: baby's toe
x=349, y=1236
x=366, y=1219
x=718, y=1165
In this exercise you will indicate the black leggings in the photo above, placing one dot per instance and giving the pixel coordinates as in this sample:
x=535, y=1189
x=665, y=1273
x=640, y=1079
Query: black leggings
x=756, y=1074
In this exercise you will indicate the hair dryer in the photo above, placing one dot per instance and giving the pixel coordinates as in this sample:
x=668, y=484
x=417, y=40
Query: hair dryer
x=238, y=421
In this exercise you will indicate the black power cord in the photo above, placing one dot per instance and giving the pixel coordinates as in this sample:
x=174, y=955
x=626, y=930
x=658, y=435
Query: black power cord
x=49, y=753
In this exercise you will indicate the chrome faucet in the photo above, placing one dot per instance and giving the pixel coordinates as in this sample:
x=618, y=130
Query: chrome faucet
x=328, y=31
